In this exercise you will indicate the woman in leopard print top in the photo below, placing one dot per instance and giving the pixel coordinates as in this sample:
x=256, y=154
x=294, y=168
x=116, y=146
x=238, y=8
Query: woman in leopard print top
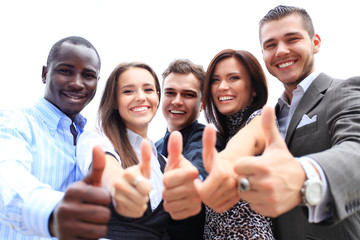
x=235, y=90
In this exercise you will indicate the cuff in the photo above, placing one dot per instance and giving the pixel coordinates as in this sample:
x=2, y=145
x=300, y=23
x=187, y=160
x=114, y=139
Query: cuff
x=38, y=208
x=320, y=212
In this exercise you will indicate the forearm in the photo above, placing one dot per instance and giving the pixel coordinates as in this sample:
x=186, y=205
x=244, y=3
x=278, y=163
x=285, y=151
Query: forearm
x=249, y=141
x=113, y=170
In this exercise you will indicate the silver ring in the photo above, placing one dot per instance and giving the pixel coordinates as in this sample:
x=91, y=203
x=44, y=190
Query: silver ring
x=244, y=185
x=137, y=180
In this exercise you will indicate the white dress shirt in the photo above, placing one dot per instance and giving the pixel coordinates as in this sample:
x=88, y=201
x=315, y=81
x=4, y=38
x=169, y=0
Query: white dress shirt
x=37, y=164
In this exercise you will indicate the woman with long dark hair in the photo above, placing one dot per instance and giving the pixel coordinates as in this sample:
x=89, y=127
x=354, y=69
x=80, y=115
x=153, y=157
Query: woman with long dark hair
x=129, y=102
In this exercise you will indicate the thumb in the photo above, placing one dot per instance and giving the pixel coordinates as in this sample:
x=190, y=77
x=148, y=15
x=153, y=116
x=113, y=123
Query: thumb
x=174, y=150
x=271, y=131
x=145, y=164
x=97, y=167
x=209, y=151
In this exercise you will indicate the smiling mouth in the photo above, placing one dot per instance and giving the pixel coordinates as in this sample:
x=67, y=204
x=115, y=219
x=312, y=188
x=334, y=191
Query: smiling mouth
x=285, y=64
x=74, y=96
x=177, y=112
x=226, y=98
x=139, y=109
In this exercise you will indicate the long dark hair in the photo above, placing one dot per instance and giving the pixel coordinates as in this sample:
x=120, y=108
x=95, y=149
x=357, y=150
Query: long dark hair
x=258, y=83
x=109, y=119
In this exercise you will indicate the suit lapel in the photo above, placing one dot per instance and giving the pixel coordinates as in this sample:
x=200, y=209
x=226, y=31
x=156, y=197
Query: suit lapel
x=311, y=98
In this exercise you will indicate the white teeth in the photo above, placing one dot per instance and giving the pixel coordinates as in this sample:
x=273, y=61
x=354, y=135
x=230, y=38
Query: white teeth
x=74, y=97
x=139, y=109
x=226, y=98
x=177, y=112
x=284, y=65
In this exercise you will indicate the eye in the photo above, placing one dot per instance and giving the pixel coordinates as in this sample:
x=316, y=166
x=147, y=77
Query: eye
x=214, y=80
x=64, y=71
x=127, y=91
x=293, y=39
x=234, y=78
x=149, y=90
x=89, y=76
x=189, y=95
x=269, y=46
x=169, y=93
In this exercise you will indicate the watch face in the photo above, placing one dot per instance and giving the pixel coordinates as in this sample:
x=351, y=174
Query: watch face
x=314, y=191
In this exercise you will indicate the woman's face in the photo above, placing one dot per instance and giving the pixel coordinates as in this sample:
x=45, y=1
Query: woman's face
x=231, y=88
x=137, y=99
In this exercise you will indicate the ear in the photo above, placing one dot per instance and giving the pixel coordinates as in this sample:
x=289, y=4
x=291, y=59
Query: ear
x=316, y=43
x=44, y=74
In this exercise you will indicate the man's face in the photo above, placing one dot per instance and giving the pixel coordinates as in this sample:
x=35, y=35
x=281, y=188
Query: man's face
x=182, y=100
x=71, y=79
x=288, y=50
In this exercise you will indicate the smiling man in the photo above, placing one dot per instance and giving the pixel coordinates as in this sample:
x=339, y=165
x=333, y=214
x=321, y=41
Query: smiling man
x=42, y=192
x=181, y=105
x=309, y=182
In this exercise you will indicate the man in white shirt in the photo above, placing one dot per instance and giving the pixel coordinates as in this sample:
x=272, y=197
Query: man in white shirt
x=42, y=192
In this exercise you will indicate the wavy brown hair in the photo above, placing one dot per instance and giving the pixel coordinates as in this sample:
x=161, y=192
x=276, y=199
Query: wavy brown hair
x=258, y=83
x=109, y=119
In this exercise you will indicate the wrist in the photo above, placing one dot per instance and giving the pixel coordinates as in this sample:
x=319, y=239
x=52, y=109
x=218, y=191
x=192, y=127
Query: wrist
x=312, y=190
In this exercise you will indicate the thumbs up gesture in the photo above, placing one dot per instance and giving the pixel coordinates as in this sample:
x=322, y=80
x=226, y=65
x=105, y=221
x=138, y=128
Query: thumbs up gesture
x=219, y=190
x=83, y=211
x=131, y=186
x=275, y=177
x=180, y=197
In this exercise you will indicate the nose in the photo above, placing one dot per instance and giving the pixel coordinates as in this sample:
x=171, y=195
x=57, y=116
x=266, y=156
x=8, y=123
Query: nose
x=223, y=85
x=282, y=49
x=177, y=100
x=140, y=95
x=77, y=82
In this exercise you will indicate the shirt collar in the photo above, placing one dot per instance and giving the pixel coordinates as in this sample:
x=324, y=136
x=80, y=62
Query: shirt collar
x=302, y=86
x=53, y=116
x=136, y=140
x=185, y=130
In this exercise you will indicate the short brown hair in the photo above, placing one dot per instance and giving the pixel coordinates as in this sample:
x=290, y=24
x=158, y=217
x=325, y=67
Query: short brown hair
x=282, y=11
x=186, y=66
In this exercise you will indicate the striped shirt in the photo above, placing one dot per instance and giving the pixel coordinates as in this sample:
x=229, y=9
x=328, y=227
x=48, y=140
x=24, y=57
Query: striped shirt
x=37, y=164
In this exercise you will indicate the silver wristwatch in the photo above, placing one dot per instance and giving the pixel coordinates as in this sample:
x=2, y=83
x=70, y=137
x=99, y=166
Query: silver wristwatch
x=312, y=191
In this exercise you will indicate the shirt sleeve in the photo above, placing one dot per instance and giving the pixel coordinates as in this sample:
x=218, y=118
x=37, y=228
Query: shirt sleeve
x=25, y=203
x=319, y=212
x=86, y=142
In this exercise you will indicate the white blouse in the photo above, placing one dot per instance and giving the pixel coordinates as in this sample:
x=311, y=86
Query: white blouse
x=88, y=139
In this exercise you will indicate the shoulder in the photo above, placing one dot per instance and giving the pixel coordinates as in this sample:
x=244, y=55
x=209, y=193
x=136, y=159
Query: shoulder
x=21, y=120
x=253, y=115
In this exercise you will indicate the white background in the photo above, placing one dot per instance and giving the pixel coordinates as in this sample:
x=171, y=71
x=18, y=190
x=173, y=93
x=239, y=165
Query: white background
x=157, y=32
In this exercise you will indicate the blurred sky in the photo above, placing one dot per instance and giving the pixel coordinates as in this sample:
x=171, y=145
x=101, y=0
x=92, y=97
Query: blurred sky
x=157, y=32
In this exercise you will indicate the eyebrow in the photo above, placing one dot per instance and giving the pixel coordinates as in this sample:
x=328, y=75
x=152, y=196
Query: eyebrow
x=133, y=85
x=229, y=74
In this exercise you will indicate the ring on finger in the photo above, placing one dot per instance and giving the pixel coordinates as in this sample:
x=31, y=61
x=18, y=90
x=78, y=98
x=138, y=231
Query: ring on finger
x=137, y=180
x=244, y=185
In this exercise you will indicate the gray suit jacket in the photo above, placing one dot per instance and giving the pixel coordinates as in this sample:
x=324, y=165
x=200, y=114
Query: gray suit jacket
x=334, y=142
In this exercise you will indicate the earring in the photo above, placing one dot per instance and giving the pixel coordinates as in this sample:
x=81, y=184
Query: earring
x=254, y=94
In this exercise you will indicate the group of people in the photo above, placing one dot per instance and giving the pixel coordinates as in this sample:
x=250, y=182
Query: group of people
x=257, y=173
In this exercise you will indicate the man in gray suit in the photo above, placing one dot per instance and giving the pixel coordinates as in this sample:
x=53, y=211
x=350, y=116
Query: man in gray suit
x=311, y=183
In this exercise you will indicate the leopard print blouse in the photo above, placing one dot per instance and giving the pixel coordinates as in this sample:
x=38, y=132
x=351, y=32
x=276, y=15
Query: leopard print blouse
x=239, y=222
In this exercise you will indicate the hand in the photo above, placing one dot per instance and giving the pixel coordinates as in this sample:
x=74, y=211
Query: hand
x=131, y=200
x=219, y=190
x=276, y=177
x=180, y=197
x=83, y=212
